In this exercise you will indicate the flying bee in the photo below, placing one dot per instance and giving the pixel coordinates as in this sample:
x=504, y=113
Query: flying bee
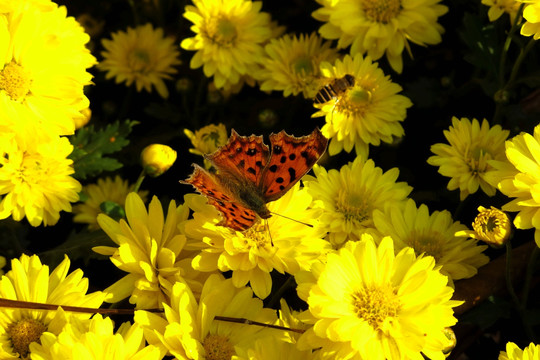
x=334, y=89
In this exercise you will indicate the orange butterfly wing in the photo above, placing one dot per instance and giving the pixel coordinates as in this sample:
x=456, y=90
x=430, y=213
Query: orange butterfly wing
x=235, y=216
x=291, y=158
x=243, y=156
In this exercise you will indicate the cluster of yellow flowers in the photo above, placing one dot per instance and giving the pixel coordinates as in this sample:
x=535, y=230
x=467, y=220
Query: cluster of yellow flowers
x=375, y=269
x=41, y=99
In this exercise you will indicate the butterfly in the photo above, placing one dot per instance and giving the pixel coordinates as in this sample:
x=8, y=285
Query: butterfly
x=250, y=174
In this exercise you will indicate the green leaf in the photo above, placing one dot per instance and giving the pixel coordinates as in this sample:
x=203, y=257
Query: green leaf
x=483, y=42
x=77, y=247
x=91, y=146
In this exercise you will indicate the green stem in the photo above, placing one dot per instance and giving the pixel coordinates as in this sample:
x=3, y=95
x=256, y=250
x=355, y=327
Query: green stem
x=134, y=10
x=289, y=283
x=528, y=275
x=519, y=306
x=140, y=179
x=502, y=65
x=517, y=64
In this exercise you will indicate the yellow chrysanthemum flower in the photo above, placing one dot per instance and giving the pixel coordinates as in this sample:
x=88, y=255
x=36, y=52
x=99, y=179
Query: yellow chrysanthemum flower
x=35, y=179
x=499, y=7
x=142, y=56
x=434, y=235
x=207, y=139
x=189, y=329
x=44, y=68
x=367, y=113
x=151, y=250
x=283, y=244
x=348, y=197
x=378, y=28
x=291, y=64
x=531, y=13
x=519, y=177
x=29, y=280
x=95, y=339
x=491, y=226
x=105, y=190
x=513, y=352
x=466, y=158
x=229, y=38
x=367, y=303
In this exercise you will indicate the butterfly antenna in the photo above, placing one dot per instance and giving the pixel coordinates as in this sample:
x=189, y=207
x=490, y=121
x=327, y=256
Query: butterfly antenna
x=269, y=233
x=286, y=217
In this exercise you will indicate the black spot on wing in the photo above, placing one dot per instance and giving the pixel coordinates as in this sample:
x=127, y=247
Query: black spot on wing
x=273, y=168
x=292, y=174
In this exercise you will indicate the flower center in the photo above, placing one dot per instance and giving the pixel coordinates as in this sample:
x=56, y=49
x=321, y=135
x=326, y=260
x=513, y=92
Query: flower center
x=222, y=31
x=357, y=100
x=376, y=305
x=218, y=347
x=15, y=81
x=139, y=60
x=353, y=206
x=478, y=160
x=428, y=243
x=381, y=11
x=24, y=332
x=257, y=235
x=303, y=65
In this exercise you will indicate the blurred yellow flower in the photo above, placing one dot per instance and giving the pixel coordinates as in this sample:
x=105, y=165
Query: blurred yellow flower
x=491, y=226
x=207, y=139
x=531, y=13
x=513, y=352
x=279, y=244
x=189, y=329
x=435, y=235
x=378, y=28
x=366, y=302
x=291, y=64
x=499, y=7
x=151, y=249
x=35, y=178
x=157, y=158
x=43, y=69
x=229, y=39
x=29, y=280
x=347, y=198
x=95, y=339
x=519, y=177
x=466, y=159
x=94, y=195
x=142, y=56
x=366, y=113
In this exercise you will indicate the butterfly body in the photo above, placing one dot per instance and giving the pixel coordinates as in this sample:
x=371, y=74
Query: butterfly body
x=249, y=174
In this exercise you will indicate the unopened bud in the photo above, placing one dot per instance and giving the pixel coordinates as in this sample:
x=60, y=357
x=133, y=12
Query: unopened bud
x=491, y=226
x=157, y=158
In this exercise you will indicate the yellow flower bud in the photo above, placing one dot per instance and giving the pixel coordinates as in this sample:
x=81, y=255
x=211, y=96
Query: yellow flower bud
x=491, y=226
x=83, y=118
x=157, y=158
x=452, y=341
